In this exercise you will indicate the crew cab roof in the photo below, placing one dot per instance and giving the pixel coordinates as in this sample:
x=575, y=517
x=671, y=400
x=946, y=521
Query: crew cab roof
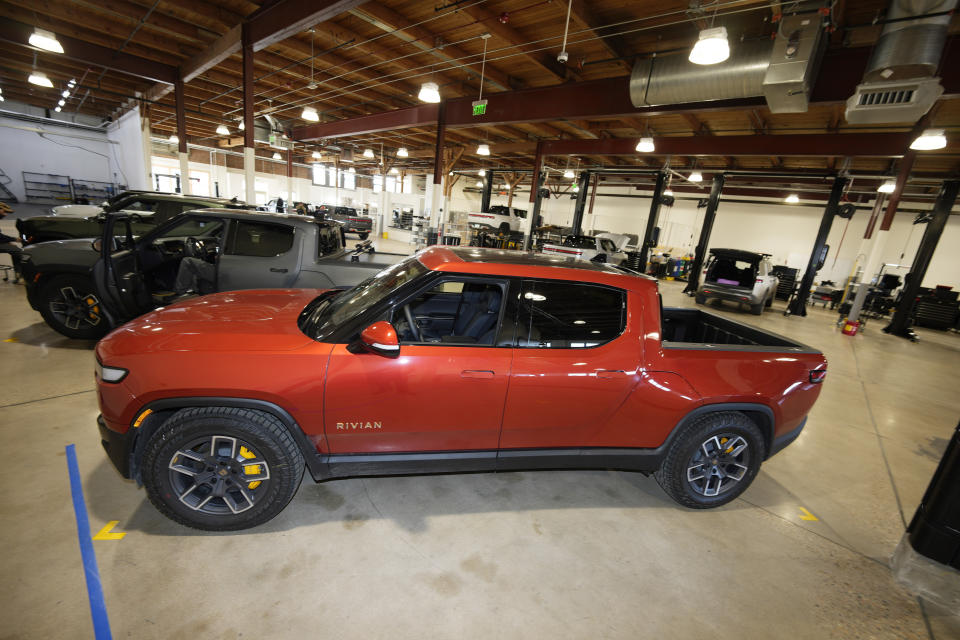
x=502, y=262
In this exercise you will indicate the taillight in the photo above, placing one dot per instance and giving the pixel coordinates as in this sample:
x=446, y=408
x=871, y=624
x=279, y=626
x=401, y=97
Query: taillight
x=817, y=375
x=759, y=280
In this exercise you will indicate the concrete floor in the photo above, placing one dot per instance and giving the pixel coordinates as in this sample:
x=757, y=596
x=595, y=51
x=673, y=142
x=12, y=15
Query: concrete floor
x=513, y=555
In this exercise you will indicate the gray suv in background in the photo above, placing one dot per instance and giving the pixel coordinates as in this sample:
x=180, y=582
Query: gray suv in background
x=744, y=277
x=346, y=217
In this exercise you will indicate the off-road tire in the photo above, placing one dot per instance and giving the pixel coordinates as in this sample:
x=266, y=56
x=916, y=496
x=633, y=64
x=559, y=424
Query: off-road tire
x=673, y=472
x=756, y=309
x=61, y=291
x=266, y=436
x=769, y=302
x=504, y=228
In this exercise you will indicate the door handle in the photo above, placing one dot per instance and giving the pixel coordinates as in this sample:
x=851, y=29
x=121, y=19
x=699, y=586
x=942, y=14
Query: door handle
x=608, y=374
x=276, y=270
x=475, y=373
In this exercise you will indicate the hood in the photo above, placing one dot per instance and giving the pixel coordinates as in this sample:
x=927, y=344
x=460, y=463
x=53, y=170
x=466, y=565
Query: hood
x=78, y=251
x=255, y=320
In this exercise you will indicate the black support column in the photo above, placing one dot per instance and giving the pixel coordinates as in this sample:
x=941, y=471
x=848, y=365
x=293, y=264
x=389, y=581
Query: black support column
x=798, y=306
x=900, y=324
x=583, y=183
x=693, y=279
x=487, y=189
x=648, y=240
x=536, y=184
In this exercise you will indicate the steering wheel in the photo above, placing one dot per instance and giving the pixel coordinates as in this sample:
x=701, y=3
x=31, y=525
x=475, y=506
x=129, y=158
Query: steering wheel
x=192, y=247
x=414, y=328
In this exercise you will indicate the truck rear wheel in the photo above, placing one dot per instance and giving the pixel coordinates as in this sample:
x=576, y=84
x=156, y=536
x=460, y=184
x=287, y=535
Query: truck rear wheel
x=70, y=306
x=756, y=309
x=504, y=228
x=221, y=468
x=712, y=461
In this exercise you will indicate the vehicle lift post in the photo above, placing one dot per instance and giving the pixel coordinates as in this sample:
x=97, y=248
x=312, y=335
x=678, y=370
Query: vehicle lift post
x=693, y=279
x=536, y=184
x=648, y=240
x=487, y=189
x=583, y=183
x=798, y=306
x=900, y=323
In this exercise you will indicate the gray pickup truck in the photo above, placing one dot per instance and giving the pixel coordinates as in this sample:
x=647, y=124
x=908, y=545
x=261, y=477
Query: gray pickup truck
x=83, y=289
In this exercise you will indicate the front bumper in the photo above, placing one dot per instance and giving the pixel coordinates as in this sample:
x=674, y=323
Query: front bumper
x=119, y=446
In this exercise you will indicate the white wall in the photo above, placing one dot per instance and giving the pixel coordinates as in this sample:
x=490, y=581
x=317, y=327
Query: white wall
x=50, y=148
x=127, y=153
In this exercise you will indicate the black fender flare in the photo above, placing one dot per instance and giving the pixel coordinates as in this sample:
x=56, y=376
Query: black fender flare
x=166, y=407
x=761, y=414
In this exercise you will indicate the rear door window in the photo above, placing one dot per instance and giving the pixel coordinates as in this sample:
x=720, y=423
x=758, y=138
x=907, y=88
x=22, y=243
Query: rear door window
x=566, y=315
x=259, y=239
x=328, y=240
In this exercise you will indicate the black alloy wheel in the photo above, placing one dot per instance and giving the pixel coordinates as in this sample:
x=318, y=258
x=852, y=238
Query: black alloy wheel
x=70, y=306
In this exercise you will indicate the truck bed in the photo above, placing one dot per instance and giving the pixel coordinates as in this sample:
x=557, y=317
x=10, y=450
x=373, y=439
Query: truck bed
x=696, y=329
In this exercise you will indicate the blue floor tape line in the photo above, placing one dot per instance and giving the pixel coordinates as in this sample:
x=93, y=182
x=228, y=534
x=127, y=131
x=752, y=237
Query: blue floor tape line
x=98, y=607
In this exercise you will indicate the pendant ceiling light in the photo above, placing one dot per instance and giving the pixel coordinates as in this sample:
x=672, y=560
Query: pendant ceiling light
x=315, y=155
x=668, y=192
x=712, y=47
x=481, y=172
x=368, y=153
x=222, y=130
x=929, y=140
x=792, y=199
x=695, y=176
x=276, y=155
x=889, y=186
x=310, y=114
x=46, y=40
x=243, y=125
x=483, y=150
x=62, y=102
x=645, y=145
x=174, y=139
x=58, y=109
x=479, y=183
x=351, y=170
x=569, y=174
x=429, y=92
x=402, y=152
x=40, y=79
x=65, y=93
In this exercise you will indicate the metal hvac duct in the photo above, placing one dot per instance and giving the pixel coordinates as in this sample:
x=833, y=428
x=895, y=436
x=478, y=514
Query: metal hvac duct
x=675, y=80
x=898, y=84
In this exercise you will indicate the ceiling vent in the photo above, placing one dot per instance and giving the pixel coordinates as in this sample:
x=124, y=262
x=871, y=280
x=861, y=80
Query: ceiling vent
x=898, y=84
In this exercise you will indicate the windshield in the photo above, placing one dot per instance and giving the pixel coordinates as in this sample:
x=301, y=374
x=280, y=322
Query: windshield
x=327, y=312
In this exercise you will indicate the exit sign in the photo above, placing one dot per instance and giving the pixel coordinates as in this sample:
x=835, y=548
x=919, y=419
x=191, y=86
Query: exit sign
x=479, y=107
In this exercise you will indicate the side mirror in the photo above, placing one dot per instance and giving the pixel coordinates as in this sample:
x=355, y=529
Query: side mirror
x=381, y=338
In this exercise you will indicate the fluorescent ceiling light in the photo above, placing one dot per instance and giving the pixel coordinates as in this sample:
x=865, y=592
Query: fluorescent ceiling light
x=315, y=155
x=645, y=145
x=711, y=48
x=402, y=152
x=929, y=140
x=40, y=79
x=483, y=150
x=276, y=156
x=309, y=113
x=429, y=92
x=569, y=174
x=46, y=40
x=222, y=130
x=668, y=192
x=792, y=199
x=368, y=153
x=65, y=94
x=887, y=187
x=174, y=139
x=696, y=176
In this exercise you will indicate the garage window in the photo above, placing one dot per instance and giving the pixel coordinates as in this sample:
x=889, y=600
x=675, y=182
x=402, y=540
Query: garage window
x=259, y=239
x=566, y=315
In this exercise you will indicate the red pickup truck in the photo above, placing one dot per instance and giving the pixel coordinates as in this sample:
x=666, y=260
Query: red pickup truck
x=455, y=359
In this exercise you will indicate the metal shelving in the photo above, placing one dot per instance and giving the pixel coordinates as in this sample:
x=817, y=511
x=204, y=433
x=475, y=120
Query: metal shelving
x=47, y=188
x=93, y=190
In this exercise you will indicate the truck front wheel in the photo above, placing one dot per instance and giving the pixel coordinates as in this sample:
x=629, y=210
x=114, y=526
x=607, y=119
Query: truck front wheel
x=712, y=461
x=70, y=306
x=221, y=468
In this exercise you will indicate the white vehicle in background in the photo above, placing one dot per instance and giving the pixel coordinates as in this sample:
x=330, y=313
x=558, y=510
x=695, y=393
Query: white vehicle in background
x=76, y=210
x=499, y=218
x=599, y=248
x=744, y=277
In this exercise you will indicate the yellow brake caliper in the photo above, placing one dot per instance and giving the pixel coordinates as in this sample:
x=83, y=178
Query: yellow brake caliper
x=724, y=441
x=251, y=469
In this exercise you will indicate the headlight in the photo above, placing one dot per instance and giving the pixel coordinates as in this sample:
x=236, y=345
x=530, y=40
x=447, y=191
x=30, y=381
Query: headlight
x=110, y=374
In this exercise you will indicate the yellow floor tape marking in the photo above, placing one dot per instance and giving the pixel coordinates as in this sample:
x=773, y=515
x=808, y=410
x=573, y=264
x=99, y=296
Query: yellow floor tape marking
x=11, y=340
x=107, y=534
x=807, y=515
